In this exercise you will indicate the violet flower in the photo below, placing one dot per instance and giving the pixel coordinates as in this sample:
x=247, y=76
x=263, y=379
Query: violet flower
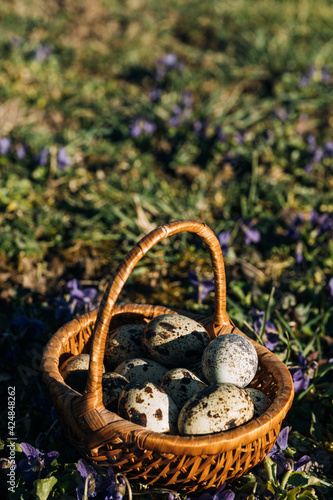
x=277, y=455
x=42, y=52
x=141, y=126
x=99, y=486
x=224, y=239
x=155, y=94
x=26, y=326
x=5, y=144
x=36, y=463
x=330, y=286
x=200, y=128
x=167, y=63
x=42, y=157
x=251, y=235
x=270, y=330
x=21, y=151
x=203, y=287
x=63, y=160
x=293, y=230
x=301, y=376
x=220, y=494
x=80, y=297
x=220, y=134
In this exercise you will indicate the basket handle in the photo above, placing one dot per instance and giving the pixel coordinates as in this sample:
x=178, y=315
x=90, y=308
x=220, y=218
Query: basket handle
x=93, y=391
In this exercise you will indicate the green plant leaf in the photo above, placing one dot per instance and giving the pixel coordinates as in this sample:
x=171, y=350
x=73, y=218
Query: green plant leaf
x=43, y=487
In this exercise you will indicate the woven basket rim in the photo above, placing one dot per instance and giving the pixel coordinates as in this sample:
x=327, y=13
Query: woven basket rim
x=167, y=443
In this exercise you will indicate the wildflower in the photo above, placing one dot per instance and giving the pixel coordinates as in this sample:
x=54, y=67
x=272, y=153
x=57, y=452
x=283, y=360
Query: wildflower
x=220, y=134
x=220, y=494
x=303, y=374
x=270, y=330
x=299, y=252
x=203, y=287
x=63, y=159
x=224, y=239
x=155, y=94
x=307, y=76
x=186, y=99
x=42, y=157
x=21, y=151
x=167, y=63
x=141, y=126
x=5, y=144
x=32, y=328
x=200, y=128
x=42, y=52
x=98, y=486
x=325, y=75
x=277, y=455
x=80, y=297
x=293, y=230
x=239, y=137
x=328, y=149
x=36, y=463
x=251, y=235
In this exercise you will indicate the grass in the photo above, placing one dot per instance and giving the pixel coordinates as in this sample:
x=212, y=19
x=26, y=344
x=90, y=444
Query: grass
x=236, y=133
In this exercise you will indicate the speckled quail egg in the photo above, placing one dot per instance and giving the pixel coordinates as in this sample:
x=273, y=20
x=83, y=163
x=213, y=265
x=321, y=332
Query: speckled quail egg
x=142, y=370
x=75, y=371
x=148, y=405
x=230, y=358
x=175, y=340
x=181, y=384
x=112, y=385
x=260, y=401
x=217, y=408
x=124, y=343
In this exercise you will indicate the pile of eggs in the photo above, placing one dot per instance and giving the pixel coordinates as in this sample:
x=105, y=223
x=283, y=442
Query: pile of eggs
x=168, y=376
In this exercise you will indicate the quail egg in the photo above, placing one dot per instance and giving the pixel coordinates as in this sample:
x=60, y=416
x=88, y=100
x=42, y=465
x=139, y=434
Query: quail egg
x=142, y=370
x=124, y=343
x=260, y=400
x=175, y=340
x=181, y=384
x=230, y=358
x=75, y=371
x=148, y=405
x=217, y=408
x=112, y=385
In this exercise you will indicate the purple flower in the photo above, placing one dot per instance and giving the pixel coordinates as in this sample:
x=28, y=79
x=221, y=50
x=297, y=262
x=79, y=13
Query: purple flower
x=325, y=75
x=63, y=159
x=5, y=144
x=307, y=76
x=328, y=149
x=270, y=330
x=312, y=143
x=251, y=235
x=32, y=328
x=21, y=151
x=167, y=63
x=203, y=287
x=155, y=94
x=224, y=239
x=330, y=286
x=299, y=252
x=277, y=455
x=42, y=157
x=301, y=382
x=239, y=137
x=141, y=126
x=99, y=486
x=42, y=52
x=220, y=494
x=80, y=297
x=220, y=134
x=36, y=463
x=293, y=230
x=200, y=128
x=186, y=99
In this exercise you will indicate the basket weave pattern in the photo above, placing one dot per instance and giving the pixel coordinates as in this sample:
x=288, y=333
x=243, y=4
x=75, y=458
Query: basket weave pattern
x=183, y=463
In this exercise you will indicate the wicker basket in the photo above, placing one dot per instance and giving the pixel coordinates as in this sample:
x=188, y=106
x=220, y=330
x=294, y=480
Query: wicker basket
x=182, y=463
